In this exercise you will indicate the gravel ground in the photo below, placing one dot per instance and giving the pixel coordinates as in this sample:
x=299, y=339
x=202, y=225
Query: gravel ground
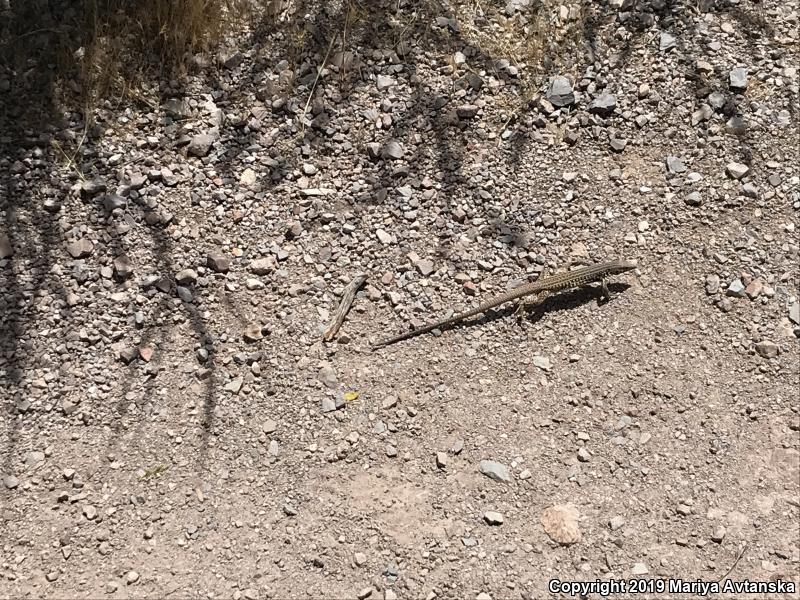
x=173, y=425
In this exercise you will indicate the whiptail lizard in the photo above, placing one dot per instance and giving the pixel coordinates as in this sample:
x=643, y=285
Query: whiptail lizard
x=540, y=289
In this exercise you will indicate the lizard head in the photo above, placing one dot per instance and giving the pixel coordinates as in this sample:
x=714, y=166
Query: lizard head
x=621, y=266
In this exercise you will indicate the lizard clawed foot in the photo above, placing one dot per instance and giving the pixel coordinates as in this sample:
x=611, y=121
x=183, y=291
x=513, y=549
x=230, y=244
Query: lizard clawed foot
x=520, y=312
x=605, y=294
x=524, y=305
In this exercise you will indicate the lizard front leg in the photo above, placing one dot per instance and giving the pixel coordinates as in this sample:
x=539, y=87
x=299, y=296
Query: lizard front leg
x=605, y=294
x=528, y=303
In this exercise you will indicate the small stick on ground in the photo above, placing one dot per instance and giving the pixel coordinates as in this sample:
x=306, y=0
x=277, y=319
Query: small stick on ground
x=344, y=306
x=736, y=562
x=314, y=86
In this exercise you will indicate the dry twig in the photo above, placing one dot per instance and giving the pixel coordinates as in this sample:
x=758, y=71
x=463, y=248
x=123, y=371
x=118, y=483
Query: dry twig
x=344, y=306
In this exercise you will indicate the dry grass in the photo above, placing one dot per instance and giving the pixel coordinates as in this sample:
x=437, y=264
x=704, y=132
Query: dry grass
x=101, y=49
x=548, y=35
x=105, y=50
x=126, y=39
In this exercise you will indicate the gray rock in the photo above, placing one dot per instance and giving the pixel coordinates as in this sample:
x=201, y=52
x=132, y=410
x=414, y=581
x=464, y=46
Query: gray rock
x=712, y=284
x=137, y=181
x=80, y=248
x=794, y=313
x=617, y=144
x=616, y=523
x=767, y=349
x=393, y=150
x=560, y=92
x=736, y=126
x=639, y=569
x=735, y=289
x=218, y=263
x=719, y=534
x=328, y=405
x=604, y=104
x=169, y=178
x=177, y=108
x=164, y=285
x=542, y=362
x=737, y=170
x=200, y=145
x=92, y=187
x=51, y=205
x=294, y=230
x=327, y=376
x=750, y=190
x=149, y=280
x=441, y=460
x=128, y=354
x=186, y=277
x=6, y=251
x=262, y=266
x=113, y=202
x=513, y=6
x=493, y=518
x=704, y=113
x=738, y=79
x=34, y=458
x=716, y=100
x=467, y=111
x=384, y=82
x=425, y=267
x=252, y=333
x=666, y=42
x=184, y=293
x=233, y=61
x=495, y=470
x=694, y=199
x=123, y=266
x=10, y=482
x=274, y=448
x=234, y=385
x=474, y=81
x=675, y=165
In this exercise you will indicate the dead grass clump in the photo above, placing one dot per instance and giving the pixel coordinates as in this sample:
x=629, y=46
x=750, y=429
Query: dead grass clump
x=95, y=48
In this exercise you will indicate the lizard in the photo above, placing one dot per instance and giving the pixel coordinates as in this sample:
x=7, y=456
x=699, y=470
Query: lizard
x=530, y=294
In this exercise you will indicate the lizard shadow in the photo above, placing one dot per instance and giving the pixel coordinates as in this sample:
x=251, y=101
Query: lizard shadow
x=568, y=300
x=555, y=302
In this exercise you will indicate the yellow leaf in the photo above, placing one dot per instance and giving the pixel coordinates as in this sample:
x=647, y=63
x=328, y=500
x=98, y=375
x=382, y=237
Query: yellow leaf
x=350, y=396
